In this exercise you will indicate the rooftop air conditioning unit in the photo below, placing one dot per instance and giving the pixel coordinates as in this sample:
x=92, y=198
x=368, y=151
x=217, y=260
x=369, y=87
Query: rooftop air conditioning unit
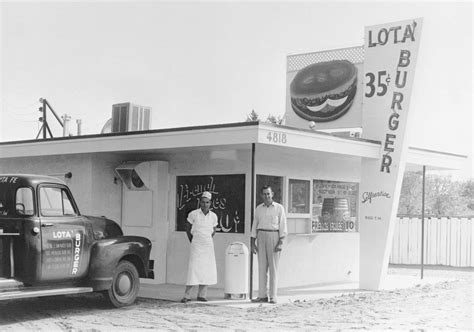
x=130, y=117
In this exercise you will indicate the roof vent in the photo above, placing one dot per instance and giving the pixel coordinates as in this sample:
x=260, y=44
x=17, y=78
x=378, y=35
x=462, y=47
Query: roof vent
x=130, y=117
x=134, y=174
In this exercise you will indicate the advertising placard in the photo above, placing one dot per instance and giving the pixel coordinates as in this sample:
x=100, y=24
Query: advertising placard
x=334, y=207
x=324, y=89
x=228, y=199
x=389, y=67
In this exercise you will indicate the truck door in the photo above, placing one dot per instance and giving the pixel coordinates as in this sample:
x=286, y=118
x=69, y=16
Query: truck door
x=64, y=253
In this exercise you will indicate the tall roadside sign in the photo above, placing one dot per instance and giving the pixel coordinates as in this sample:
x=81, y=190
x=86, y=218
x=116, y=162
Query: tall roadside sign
x=389, y=67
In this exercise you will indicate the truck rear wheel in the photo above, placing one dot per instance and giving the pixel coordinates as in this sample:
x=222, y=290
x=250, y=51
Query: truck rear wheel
x=125, y=285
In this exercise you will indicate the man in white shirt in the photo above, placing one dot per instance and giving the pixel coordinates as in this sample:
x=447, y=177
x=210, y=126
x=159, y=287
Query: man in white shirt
x=200, y=228
x=269, y=229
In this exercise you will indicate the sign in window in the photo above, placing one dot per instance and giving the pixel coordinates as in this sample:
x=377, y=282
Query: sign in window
x=298, y=196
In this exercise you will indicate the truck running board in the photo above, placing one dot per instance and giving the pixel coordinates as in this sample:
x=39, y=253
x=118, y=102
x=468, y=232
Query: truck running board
x=42, y=291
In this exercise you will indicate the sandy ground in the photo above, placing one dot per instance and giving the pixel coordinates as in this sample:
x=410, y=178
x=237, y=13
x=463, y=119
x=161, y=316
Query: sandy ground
x=446, y=305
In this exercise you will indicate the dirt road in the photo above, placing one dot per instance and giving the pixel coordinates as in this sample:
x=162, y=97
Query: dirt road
x=445, y=305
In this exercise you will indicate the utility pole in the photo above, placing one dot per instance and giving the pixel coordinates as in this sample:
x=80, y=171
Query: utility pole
x=45, y=126
x=45, y=123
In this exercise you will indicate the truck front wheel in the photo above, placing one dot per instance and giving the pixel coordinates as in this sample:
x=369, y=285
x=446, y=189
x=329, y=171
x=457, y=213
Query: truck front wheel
x=125, y=285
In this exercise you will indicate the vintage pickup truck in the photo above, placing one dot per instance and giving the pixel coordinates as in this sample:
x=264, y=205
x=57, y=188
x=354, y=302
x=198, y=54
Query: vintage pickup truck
x=48, y=248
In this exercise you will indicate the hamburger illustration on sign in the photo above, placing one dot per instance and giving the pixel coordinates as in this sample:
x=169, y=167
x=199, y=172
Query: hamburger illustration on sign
x=324, y=91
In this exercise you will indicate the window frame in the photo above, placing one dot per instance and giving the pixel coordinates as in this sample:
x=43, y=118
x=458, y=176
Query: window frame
x=69, y=196
x=288, y=197
x=33, y=198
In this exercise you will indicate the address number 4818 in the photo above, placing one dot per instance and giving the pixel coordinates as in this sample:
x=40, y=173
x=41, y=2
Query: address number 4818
x=276, y=137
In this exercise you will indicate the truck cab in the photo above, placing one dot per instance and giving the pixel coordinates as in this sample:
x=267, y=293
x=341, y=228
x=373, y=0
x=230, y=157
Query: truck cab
x=48, y=248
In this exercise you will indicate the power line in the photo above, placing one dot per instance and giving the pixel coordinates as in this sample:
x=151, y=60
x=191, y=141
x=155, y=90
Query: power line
x=21, y=107
x=19, y=120
x=19, y=114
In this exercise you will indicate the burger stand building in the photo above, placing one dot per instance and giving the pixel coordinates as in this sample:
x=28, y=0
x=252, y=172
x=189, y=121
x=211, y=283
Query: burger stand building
x=340, y=192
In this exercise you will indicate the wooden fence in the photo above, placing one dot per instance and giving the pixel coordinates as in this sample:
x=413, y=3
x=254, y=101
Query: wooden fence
x=448, y=241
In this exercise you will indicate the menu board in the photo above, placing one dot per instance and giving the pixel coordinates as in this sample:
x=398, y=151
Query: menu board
x=334, y=206
x=228, y=199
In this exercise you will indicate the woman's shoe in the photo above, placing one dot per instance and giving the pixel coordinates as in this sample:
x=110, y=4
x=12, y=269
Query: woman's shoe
x=202, y=299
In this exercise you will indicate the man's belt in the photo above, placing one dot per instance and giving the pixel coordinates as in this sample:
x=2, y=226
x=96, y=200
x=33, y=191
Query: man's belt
x=268, y=230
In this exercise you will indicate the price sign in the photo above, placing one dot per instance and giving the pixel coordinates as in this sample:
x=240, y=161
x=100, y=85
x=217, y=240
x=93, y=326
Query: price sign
x=390, y=59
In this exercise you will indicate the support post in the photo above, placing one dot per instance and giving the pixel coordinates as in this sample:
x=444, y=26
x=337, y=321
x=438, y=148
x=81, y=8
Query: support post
x=423, y=219
x=252, y=209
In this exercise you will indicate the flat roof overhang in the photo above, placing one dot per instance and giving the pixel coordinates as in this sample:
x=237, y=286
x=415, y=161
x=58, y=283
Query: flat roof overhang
x=222, y=136
x=433, y=160
x=214, y=136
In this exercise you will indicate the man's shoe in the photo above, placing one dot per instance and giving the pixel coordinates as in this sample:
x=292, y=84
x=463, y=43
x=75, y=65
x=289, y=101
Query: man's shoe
x=202, y=299
x=273, y=301
x=260, y=299
x=185, y=300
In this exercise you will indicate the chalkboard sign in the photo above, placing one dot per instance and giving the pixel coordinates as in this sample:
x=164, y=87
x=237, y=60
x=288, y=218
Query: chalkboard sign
x=228, y=199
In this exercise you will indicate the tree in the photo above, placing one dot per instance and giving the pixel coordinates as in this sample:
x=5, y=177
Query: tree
x=443, y=196
x=253, y=116
x=440, y=193
x=276, y=119
x=410, y=195
x=467, y=191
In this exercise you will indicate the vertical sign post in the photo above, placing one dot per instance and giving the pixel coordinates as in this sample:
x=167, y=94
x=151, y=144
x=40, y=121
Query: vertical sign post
x=390, y=59
x=423, y=220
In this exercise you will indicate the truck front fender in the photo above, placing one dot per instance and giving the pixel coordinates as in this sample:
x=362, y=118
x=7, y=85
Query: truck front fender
x=107, y=253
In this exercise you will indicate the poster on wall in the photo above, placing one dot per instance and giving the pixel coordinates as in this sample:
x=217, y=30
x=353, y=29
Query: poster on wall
x=324, y=89
x=228, y=199
x=334, y=207
x=391, y=51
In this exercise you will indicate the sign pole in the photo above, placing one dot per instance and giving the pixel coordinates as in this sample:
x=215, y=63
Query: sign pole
x=423, y=218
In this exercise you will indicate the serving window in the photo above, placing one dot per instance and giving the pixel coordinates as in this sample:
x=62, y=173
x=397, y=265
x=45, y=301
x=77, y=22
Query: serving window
x=298, y=196
x=315, y=206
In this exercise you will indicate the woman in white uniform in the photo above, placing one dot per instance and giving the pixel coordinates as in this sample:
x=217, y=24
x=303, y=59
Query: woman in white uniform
x=200, y=228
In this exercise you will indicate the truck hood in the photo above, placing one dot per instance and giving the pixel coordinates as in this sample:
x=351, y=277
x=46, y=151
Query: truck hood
x=104, y=228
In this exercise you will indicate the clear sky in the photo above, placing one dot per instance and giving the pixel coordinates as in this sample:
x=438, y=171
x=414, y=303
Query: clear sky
x=201, y=62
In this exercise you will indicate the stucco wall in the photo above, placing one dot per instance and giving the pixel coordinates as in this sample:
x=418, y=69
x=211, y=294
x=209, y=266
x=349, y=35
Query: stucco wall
x=306, y=259
x=204, y=163
x=319, y=257
x=92, y=182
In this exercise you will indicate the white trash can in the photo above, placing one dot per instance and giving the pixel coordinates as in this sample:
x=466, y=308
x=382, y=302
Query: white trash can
x=236, y=271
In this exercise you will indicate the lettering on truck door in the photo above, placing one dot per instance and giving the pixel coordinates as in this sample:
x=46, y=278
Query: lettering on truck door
x=62, y=236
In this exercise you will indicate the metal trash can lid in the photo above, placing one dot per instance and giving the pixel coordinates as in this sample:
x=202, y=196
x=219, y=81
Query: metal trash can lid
x=237, y=248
